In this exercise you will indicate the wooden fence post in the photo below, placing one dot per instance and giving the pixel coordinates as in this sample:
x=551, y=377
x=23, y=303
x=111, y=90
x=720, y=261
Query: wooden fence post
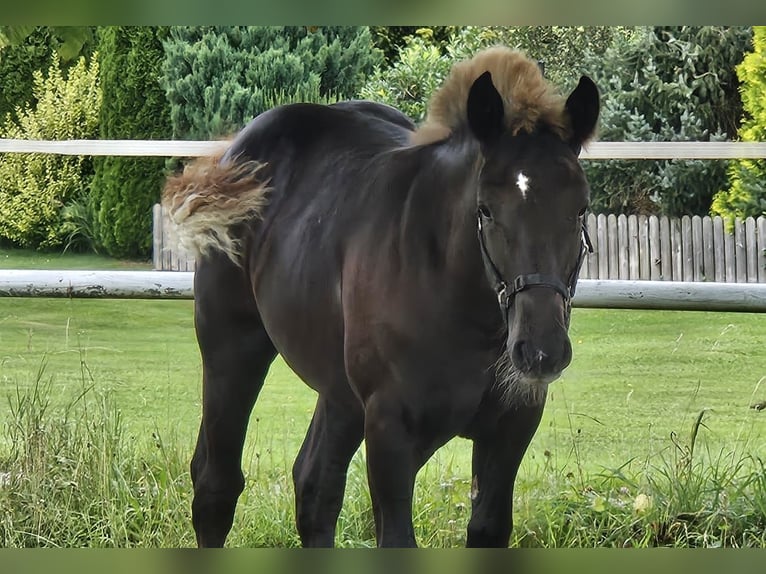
x=697, y=250
x=761, y=226
x=622, y=245
x=666, y=257
x=708, y=258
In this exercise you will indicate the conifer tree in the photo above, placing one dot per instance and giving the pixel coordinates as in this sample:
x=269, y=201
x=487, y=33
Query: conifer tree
x=134, y=107
x=218, y=78
x=17, y=64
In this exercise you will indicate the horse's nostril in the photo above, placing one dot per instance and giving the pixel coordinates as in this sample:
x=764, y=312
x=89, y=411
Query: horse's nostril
x=526, y=358
x=520, y=355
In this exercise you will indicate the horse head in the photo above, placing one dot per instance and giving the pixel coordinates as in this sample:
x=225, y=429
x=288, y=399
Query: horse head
x=532, y=196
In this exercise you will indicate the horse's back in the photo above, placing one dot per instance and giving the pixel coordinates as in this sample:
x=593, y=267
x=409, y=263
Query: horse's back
x=295, y=132
x=380, y=111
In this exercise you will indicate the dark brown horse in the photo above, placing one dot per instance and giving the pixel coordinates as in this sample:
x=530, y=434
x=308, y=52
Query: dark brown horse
x=418, y=280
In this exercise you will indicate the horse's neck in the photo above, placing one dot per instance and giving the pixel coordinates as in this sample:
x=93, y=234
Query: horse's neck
x=449, y=191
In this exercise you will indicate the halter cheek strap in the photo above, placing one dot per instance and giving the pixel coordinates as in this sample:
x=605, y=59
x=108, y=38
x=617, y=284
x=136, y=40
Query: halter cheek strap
x=506, y=294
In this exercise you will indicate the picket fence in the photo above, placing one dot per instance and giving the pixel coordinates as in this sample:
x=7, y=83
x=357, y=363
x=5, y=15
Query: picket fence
x=636, y=247
x=625, y=248
x=676, y=249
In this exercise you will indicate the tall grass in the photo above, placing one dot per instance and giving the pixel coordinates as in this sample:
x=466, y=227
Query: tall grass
x=680, y=497
x=71, y=477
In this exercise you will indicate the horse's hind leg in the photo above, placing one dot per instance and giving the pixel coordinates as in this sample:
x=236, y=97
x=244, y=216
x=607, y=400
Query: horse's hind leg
x=236, y=354
x=319, y=472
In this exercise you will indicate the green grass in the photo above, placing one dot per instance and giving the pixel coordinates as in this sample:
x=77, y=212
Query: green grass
x=110, y=468
x=29, y=259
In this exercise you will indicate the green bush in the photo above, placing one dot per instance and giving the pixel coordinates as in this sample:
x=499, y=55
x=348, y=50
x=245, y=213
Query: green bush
x=562, y=49
x=425, y=57
x=746, y=195
x=134, y=107
x=35, y=188
x=218, y=78
x=391, y=39
x=666, y=84
x=24, y=49
x=18, y=62
x=414, y=76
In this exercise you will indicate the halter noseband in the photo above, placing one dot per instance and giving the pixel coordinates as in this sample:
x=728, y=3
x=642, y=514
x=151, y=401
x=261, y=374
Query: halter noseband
x=506, y=294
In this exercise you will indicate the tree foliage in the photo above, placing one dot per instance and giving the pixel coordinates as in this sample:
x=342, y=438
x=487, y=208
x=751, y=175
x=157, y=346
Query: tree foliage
x=561, y=49
x=18, y=62
x=746, y=195
x=666, y=84
x=391, y=39
x=134, y=107
x=412, y=78
x=69, y=42
x=35, y=189
x=218, y=78
x=425, y=58
x=25, y=49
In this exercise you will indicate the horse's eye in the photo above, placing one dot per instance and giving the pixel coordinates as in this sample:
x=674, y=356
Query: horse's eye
x=485, y=212
x=582, y=211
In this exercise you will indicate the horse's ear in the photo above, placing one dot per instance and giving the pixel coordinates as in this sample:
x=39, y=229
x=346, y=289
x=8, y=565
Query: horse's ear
x=485, y=109
x=583, y=107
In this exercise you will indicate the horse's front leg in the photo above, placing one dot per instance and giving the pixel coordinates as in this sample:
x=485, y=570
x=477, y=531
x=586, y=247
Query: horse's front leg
x=397, y=447
x=497, y=454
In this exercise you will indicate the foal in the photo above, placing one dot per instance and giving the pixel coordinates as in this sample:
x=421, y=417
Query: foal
x=419, y=280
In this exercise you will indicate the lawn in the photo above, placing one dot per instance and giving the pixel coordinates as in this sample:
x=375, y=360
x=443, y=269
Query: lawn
x=636, y=377
x=622, y=414
x=29, y=259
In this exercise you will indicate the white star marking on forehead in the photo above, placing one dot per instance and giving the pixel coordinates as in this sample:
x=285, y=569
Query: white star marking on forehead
x=522, y=182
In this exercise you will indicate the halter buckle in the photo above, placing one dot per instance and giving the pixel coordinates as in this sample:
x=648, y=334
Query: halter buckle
x=502, y=294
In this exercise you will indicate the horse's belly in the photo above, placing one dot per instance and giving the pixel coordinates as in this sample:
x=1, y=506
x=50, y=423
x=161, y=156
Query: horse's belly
x=300, y=309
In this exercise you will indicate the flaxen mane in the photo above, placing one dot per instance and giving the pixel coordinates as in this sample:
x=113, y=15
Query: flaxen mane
x=528, y=97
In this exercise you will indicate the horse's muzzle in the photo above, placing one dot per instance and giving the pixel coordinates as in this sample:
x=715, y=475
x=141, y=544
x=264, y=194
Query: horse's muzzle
x=542, y=364
x=538, y=343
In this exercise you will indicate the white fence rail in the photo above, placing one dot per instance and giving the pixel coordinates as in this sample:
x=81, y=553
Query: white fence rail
x=612, y=294
x=96, y=284
x=145, y=148
x=194, y=148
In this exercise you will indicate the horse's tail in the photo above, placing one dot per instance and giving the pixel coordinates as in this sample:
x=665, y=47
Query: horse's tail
x=210, y=199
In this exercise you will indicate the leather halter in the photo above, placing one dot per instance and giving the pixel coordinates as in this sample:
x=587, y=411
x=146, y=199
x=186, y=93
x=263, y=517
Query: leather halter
x=506, y=293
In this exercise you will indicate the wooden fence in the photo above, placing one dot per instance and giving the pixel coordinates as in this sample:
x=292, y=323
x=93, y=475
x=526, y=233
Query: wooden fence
x=624, y=247
x=629, y=248
x=670, y=249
